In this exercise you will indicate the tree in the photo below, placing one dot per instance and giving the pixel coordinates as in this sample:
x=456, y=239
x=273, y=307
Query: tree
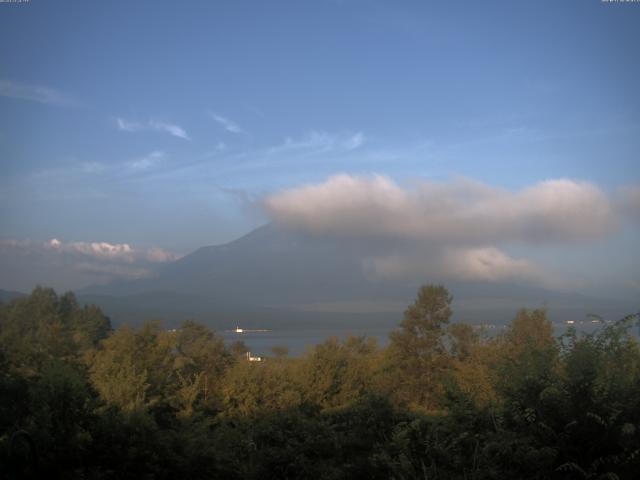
x=336, y=373
x=117, y=375
x=280, y=351
x=418, y=352
x=462, y=340
x=61, y=417
x=43, y=327
x=529, y=355
x=199, y=362
x=471, y=373
x=251, y=388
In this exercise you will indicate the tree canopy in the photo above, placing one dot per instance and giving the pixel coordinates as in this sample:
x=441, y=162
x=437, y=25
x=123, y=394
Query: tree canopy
x=441, y=400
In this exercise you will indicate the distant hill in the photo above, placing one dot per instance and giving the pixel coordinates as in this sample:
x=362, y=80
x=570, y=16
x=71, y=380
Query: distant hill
x=8, y=295
x=292, y=277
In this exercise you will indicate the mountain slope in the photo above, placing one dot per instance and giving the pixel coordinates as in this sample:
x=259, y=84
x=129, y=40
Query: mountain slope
x=8, y=295
x=292, y=275
x=268, y=266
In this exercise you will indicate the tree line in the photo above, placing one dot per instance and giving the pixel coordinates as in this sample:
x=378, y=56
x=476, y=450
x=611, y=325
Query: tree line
x=79, y=399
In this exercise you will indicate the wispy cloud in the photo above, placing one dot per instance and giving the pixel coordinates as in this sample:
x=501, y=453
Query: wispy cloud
x=174, y=130
x=36, y=93
x=146, y=162
x=152, y=125
x=230, y=160
x=319, y=141
x=93, y=168
x=313, y=140
x=229, y=125
x=128, y=126
x=355, y=141
x=119, y=252
x=70, y=265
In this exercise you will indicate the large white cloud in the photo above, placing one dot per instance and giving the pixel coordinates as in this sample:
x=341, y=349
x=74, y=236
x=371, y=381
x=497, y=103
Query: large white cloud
x=461, y=212
x=456, y=229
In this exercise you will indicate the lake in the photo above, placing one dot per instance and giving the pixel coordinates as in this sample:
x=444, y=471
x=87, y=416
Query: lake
x=298, y=339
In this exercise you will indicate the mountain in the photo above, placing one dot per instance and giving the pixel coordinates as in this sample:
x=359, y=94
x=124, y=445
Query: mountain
x=269, y=266
x=268, y=273
x=277, y=274
x=8, y=295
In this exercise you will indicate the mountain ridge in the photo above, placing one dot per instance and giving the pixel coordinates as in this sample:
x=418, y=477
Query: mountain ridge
x=296, y=275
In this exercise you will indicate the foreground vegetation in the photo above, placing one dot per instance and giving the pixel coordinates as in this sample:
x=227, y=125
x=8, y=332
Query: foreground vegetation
x=80, y=400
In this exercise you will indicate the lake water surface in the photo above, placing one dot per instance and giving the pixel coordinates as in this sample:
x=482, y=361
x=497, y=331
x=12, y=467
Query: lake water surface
x=298, y=339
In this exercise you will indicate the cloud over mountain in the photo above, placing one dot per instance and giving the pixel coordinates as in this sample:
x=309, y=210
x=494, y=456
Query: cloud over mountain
x=477, y=264
x=462, y=212
x=629, y=201
x=456, y=229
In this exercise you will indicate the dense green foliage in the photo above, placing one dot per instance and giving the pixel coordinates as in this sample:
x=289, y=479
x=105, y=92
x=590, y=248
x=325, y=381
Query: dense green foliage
x=78, y=400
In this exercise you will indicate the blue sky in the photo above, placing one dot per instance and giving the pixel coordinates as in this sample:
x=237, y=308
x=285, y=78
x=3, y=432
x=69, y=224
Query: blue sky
x=164, y=123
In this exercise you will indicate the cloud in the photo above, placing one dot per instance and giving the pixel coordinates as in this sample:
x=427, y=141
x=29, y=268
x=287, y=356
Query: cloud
x=11, y=243
x=112, y=271
x=128, y=126
x=36, y=93
x=71, y=265
x=355, y=141
x=158, y=255
x=152, y=125
x=319, y=142
x=488, y=263
x=93, y=168
x=628, y=200
x=174, y=130
x=146, y=162
x=229, y=125
x=481, y=263
x=462, y=212
x=313, y=140
x=119, y=252
x=100, y=250
x=455, y=229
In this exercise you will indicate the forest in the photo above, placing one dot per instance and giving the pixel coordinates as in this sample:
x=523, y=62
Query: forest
x=443, y=400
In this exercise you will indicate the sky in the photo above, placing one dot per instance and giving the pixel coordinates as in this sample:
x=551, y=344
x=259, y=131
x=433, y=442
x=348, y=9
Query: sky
x=140, y=131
